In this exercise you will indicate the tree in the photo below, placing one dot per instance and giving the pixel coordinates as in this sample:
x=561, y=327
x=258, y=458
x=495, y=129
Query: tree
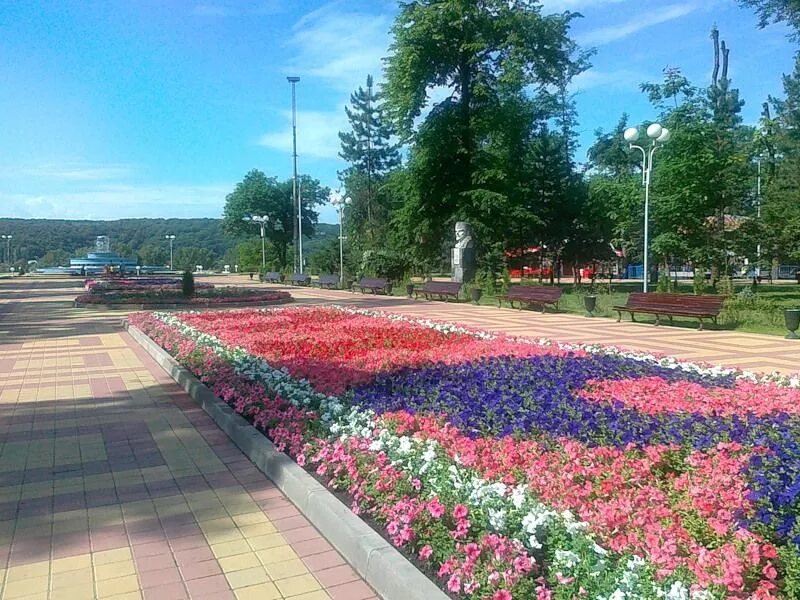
x=499, y=60
x=369, y=150
x=776, y=11
x=54, y=258
x=187, y=258
x=153, y=255
x=260, y=195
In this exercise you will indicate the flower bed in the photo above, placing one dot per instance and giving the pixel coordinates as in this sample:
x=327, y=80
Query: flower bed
x=202, y=297
x=518, y=469
x=139, y=284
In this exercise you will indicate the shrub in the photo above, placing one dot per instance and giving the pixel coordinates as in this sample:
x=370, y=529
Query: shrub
x=699, y=280
x=187, y=284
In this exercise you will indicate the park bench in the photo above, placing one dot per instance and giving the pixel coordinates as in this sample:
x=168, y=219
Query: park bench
x=272, y=277
x=299, y=279
x=672, y=305
x=529, y=294
x=373, y=284
x=326, y=281
x=443, y=289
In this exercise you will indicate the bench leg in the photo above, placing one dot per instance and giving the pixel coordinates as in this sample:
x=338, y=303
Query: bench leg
x=619, y=316
x=633, y=318
x=658, y=320
x=544, y=308
x=670, y=319
x=701, y=324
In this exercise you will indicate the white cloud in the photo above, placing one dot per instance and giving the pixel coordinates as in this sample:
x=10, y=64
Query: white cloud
x=636, y=23
x=71, y=171
x=119, y=202
x=317, y=134
x=340, y=46
x=557, y=6
x=595, y=78
x=223, y=9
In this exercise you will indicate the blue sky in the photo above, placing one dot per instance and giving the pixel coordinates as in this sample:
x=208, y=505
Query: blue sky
x=156, y=109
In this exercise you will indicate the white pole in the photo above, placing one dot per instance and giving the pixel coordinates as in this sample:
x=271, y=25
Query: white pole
x=263, y=250
x=341, y=249
x=300, y=225
x=758, y=205
x=648, y=165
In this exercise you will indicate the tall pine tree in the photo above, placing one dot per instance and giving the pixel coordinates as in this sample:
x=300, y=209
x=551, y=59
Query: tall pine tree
x=369, y=150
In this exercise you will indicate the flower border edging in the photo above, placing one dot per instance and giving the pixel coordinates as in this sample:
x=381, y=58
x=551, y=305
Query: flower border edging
x=387, y=571
x=186, y=306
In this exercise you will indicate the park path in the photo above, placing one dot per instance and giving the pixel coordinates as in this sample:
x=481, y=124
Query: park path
x=114, y=484
x=749, y=351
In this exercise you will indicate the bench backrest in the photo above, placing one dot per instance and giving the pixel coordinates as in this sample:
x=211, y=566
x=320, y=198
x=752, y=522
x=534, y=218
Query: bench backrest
x=272, y=275
x=299, y=278
x=707, y=304
x=328, y=280
x=535, y=292
x=373, y=282
x=442, y=287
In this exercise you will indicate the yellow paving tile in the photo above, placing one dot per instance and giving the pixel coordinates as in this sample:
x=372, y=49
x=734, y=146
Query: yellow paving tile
x=81, y=592
x=318, y=595
x=247, y=577
x=274, y=555
x=29, y=571
x=230, y=548
x=72, y=563
x=294, y=586
x=78, y=577
x=263, y=591
x=286, y=568
x=115, y=587
x=25, y=587
x=113, y=570
x=263, y=542
x=252, y=518
x=238, y=562
x=256, y=530
x=112, y=556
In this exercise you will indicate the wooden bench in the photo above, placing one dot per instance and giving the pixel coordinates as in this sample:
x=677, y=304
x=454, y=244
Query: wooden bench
x=529, y=294
x=672, y=305
x=443, y=289
x=299, y=279
x=373, y=284
x=272, y=277
x=326, y=281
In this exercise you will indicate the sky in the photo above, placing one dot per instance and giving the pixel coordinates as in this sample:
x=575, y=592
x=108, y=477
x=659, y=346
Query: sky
x=154, y=108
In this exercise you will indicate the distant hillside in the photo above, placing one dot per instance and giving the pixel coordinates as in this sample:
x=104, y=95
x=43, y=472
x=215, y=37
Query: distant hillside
x=35, y=238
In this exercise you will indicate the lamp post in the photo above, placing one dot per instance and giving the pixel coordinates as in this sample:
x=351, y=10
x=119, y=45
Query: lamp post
x=171, y=239
x=7, y=238
x=298, y=228
x=656, y=135
x=262, y=223
x=758, y=216
x=339, y=202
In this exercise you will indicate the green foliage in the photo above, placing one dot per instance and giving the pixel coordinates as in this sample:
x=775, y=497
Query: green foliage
x=260, y=195
x=153, y=255
x=776, y=11
x=54, y=258
x=724, y=286
x=664, y=284
x=187, y=284
x=385, y=263
x=187, y=259
x=497, y=151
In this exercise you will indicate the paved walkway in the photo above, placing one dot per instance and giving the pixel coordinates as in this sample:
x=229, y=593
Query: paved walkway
x=753, y=352
x=113, y=484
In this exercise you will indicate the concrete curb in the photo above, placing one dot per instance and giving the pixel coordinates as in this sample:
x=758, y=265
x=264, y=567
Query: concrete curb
x=389, y=573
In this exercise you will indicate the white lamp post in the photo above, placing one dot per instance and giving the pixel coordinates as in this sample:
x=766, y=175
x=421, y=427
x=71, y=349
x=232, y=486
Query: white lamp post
x=171, y=239
x=339, y=202
x=298, y=230
x=7, y=238
x=657, y=135
x=262, y=222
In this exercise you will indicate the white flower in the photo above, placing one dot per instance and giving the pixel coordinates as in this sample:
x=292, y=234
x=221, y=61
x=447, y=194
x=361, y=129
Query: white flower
x=678, y=591
x=567, y=558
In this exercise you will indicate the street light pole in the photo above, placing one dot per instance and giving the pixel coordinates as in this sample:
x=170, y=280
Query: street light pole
x=262, y=223
x=339, y=202
x=171, y=239
x=7, y=238
x=758, y=215
x=657, y=135
x=298, y=228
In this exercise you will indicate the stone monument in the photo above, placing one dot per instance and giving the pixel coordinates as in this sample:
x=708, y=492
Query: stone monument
x=463, y=254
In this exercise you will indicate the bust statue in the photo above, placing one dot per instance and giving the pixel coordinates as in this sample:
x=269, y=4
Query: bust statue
x=463, y=254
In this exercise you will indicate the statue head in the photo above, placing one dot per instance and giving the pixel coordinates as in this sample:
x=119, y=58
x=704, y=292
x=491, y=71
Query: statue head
x=463, y=233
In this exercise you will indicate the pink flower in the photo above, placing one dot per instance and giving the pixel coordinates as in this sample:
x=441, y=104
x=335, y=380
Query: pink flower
x=454, y=583
x=436, y=508
x=425, y=552
x=502, y=595
x=460, y=511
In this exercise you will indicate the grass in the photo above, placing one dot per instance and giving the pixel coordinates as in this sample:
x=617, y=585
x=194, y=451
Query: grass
x=760, y=312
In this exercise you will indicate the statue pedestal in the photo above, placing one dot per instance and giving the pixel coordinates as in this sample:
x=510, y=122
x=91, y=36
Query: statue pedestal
x=463, y=264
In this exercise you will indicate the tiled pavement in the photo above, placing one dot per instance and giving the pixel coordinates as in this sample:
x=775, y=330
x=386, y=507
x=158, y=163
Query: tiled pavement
x=752, y=352
x=113, y=484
